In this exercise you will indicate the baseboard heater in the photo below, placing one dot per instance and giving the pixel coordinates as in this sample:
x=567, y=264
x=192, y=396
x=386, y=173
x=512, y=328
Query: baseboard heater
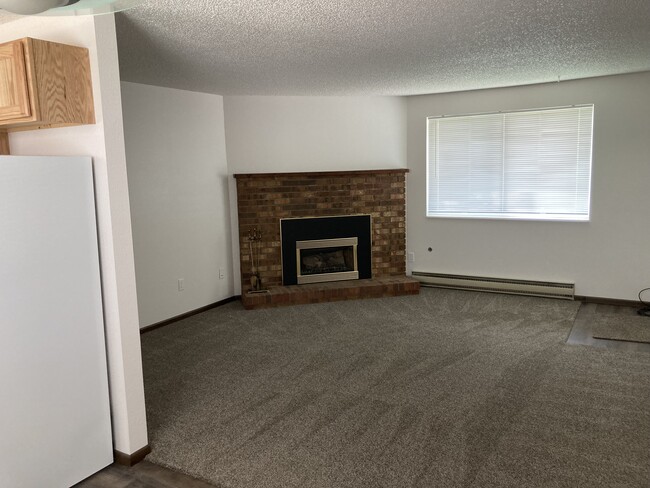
x=497, y=285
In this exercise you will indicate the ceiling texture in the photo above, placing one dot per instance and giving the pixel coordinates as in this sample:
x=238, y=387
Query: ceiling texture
x=378, y=47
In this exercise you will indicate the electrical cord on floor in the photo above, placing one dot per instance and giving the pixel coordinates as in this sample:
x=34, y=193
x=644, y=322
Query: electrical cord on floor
x=645, y=311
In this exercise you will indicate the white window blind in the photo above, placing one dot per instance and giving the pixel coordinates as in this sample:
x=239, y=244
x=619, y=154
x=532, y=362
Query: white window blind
x=518, y=165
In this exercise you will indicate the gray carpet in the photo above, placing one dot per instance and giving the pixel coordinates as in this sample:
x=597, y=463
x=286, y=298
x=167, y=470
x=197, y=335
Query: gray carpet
x=444, y=389
x=634, y=328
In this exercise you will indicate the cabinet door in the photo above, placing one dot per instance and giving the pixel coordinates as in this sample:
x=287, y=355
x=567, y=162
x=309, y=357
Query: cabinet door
x=14, y=95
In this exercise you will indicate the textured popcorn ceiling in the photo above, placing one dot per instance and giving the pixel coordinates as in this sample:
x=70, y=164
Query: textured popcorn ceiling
x=378, y=47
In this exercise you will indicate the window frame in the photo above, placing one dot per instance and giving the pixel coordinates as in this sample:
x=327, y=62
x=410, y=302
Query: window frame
x=578, y=218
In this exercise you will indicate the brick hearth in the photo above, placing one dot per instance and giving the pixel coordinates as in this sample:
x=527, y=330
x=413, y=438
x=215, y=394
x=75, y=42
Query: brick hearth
x=332, y=291
x=264, y=199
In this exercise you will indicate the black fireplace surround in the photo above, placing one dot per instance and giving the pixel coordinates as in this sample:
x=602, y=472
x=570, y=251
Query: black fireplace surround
x=293, y=230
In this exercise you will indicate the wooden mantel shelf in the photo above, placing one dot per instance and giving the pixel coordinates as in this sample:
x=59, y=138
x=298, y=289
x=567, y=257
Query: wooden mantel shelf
x=308, y=174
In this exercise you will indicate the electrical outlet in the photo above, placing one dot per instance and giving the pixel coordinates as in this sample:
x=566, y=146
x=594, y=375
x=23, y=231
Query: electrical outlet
x=222, y=274
x=411, y=257
x=181, y=284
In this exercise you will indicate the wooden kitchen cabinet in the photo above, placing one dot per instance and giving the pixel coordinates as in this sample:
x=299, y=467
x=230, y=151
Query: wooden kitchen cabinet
x=44, y=84
x=14, y=96
x=4, y=143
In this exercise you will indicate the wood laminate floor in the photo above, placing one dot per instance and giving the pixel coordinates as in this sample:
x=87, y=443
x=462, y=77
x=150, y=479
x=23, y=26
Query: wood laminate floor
x=582, y=330
x=142, y=475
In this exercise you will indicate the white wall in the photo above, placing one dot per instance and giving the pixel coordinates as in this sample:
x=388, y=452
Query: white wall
x=294, y=134
x=178, y=183
x=288, y=134
x=606, y=257
x=104, y=142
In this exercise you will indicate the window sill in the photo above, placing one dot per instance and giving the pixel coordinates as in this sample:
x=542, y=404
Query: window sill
x=515, y=217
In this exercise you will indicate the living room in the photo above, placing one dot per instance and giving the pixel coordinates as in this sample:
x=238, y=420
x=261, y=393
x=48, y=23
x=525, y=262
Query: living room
x=440, y=388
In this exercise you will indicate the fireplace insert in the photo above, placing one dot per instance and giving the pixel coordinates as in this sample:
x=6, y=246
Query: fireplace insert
x=325, y=249
x=326, y=260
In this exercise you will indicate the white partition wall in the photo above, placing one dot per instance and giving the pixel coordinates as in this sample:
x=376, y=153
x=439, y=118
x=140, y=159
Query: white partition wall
x=104, y=142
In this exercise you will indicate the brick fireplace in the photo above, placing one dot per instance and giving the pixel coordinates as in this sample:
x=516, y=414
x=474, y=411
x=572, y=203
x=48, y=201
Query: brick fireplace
x=266, y=200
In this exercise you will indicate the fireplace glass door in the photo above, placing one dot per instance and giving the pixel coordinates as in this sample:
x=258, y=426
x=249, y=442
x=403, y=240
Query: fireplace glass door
x=327, y=260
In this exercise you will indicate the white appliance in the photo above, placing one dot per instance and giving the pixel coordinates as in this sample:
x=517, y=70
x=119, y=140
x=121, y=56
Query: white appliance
x=54, y=407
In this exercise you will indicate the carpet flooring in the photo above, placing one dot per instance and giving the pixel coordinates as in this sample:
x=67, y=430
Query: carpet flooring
x=443, y=389
x=634, y=328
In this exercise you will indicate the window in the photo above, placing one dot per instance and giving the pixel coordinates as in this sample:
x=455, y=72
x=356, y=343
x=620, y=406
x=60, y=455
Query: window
x=532, y=164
